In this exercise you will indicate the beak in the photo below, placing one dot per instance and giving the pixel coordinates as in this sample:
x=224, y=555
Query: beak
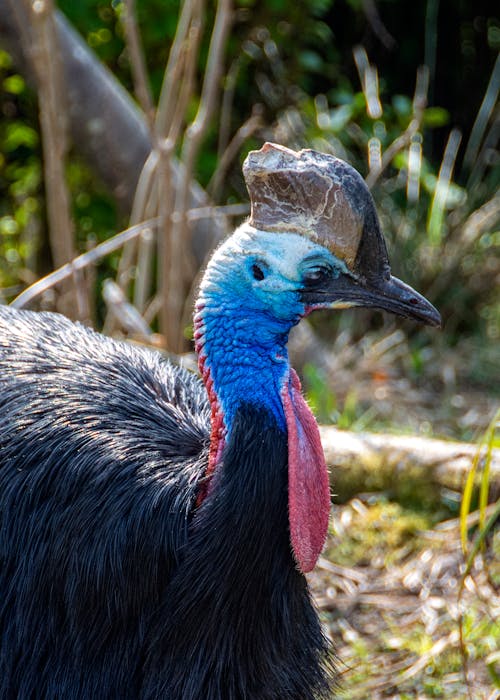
x=387, y=293
x=369, y=282
x=399, y=298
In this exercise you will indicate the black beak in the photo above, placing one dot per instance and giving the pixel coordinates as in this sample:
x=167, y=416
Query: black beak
x=386, y=293
x=369, y=282
x=378, y=288
x=392, y=295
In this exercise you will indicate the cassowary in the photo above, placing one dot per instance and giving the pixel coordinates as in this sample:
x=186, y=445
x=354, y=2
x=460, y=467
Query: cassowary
x=155, y=529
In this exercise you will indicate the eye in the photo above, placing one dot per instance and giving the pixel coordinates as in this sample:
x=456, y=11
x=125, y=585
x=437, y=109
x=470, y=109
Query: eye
x=316, y=276
x=257, y=272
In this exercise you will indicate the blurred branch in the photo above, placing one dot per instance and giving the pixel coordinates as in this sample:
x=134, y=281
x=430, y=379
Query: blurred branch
x=485, y=111
x=251, y=125
x=368, y=76
x=53, y=124
x=379, y=29
x=172, y=275
x=438, y=205
x=89, y=258
x=137, y=62
x=170, y=86
x=402, y=141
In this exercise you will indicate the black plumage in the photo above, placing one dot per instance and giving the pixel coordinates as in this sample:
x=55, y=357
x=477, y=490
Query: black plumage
x=110, y=586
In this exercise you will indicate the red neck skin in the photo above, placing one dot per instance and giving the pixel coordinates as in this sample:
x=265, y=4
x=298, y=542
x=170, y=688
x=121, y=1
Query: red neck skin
x=218, y=430
x=308, y=481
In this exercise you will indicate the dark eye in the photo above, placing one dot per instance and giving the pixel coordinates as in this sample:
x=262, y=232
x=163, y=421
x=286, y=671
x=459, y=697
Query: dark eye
x=316, y=276
x=257, y=272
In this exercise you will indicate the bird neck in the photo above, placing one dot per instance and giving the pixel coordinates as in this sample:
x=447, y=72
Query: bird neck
x=241, y=345
x=236, y=368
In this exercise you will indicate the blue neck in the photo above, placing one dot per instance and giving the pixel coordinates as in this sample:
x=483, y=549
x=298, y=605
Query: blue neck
x=246, y=356
x=242, y=326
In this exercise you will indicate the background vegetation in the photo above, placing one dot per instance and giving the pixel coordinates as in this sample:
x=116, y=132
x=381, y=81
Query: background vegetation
x=343, y=77
x=408, y=93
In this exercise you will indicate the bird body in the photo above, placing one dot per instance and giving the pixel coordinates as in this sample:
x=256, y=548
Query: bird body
x=123, y=588
x=155, y=529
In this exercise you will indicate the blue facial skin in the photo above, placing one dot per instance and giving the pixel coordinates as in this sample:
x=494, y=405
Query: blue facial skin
x=249, y=301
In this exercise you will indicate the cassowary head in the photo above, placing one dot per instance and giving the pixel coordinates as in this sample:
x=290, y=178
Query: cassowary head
x=313, y=241
x=325, y=201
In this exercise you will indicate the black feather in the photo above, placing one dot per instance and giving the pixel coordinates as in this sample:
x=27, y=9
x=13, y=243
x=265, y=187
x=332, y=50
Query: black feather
x=113, y=583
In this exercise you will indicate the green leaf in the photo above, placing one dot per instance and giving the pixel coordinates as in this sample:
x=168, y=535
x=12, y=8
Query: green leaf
x=14, y=84
x=487, y=440
x=19, y=134
x=436, y=116
x=8, y=226
x=5, y=59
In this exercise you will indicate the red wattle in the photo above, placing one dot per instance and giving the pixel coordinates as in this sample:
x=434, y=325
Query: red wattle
x=218, y=432
x=308, y=483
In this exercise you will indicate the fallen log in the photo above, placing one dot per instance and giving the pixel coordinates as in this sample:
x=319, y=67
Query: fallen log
x=409, y=467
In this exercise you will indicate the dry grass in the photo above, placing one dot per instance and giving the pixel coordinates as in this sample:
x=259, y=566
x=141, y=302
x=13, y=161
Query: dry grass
x=389, y=592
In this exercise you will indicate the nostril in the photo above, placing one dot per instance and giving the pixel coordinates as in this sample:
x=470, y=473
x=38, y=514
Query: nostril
x=413, y=301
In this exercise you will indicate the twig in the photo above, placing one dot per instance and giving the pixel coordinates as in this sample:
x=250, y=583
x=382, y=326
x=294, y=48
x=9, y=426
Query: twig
x=343, y=571
x=226, y=109
x=144, y=268
x=170, y=86
x=145, y=186
x=173, y=299
x=137, y=62
x=436, y=213
x=147, y=195
x=54, y=136
x=140, y=212
x=166, y=252
x=79, y=263
x=169, y=251
x=482, y=219
x=419, y=104
x=436, y=650
x=92, y=256
x=245, y=131
x=414, y=168
x=488, y=104
x=143, y=92
x=129, y=317
x=189, y=55
x=225, y=209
